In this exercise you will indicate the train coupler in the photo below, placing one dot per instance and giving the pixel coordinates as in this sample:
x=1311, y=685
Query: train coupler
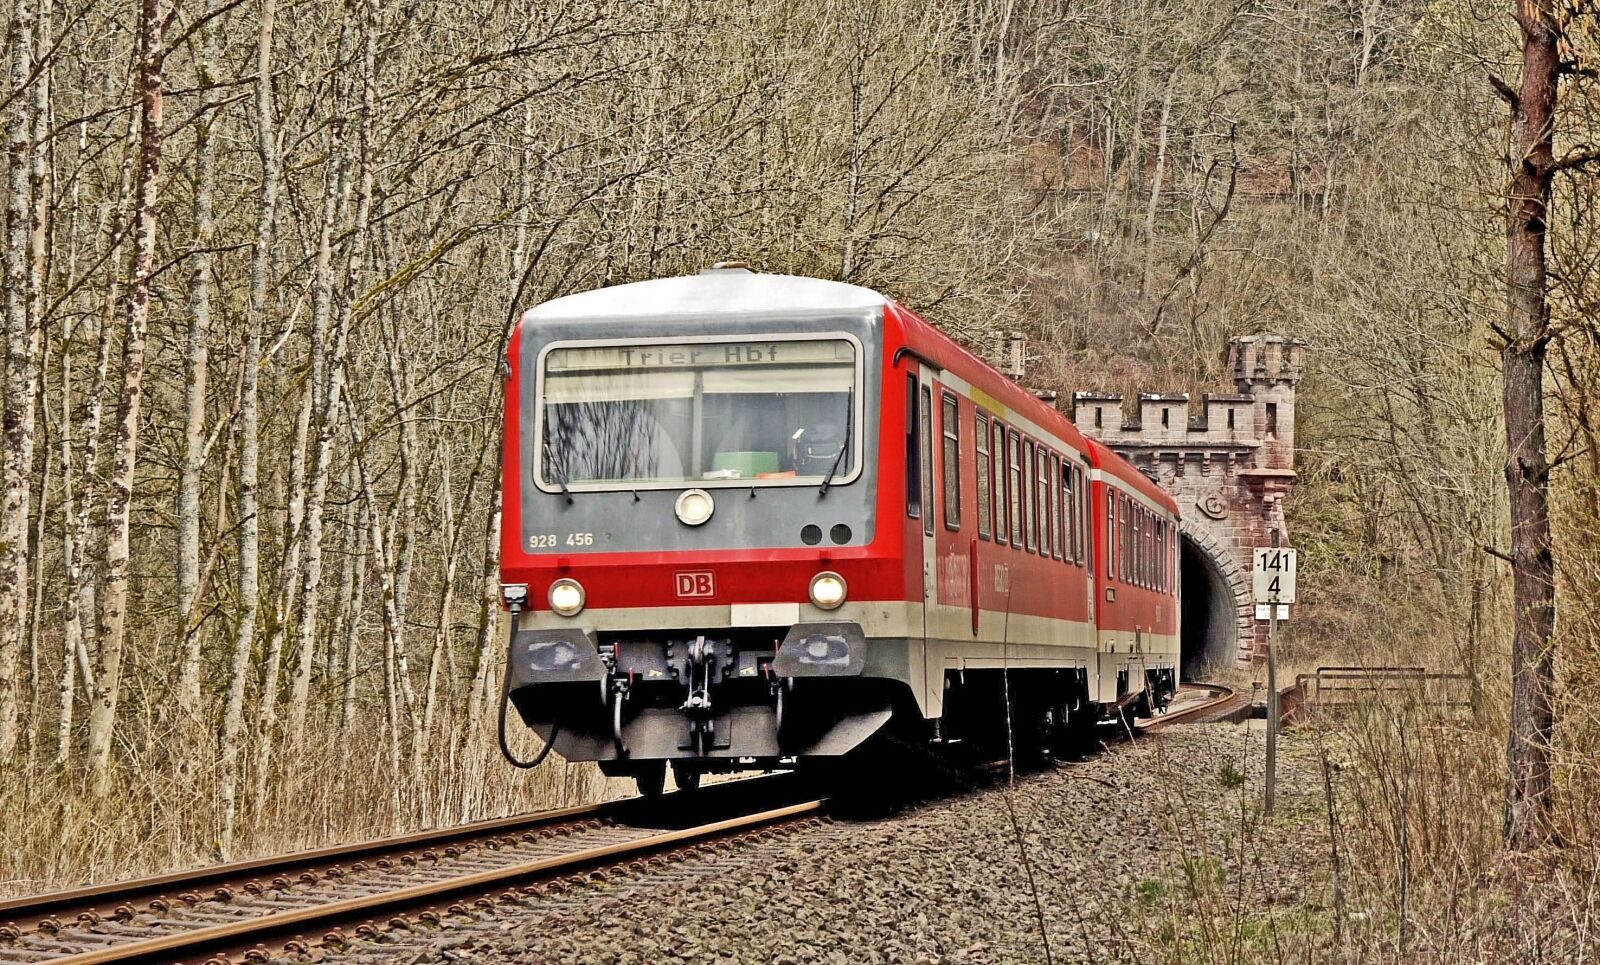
x=618, y=696
x=701, y=662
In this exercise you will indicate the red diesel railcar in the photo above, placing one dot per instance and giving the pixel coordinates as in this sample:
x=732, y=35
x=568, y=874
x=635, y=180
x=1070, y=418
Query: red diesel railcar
x=752, y=519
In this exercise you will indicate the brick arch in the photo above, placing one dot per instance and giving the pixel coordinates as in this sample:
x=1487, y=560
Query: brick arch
x=1229, y=601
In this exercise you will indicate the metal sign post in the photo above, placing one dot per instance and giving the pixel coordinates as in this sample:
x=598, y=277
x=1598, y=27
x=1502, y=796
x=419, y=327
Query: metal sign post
x=1273, y=583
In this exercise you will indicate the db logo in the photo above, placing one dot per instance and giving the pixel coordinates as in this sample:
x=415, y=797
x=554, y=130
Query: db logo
x=696, y=584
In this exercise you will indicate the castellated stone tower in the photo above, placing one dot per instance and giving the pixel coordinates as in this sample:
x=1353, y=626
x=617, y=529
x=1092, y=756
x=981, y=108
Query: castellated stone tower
x=1229, y=465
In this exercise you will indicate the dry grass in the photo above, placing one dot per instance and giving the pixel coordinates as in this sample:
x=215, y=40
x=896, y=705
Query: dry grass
x=164, y=818
x=1404, y=842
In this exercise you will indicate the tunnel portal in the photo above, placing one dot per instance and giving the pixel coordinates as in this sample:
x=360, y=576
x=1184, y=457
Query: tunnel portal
x=1210, y=635
x=1229, y=463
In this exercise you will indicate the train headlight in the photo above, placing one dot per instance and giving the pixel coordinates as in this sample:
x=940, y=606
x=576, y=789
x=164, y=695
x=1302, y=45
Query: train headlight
x=827, y=590
x=566, y=597
x=694, y=507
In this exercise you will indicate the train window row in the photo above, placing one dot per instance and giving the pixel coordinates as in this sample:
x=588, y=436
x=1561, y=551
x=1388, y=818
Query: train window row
x=1028, y=496
x=1140, y=551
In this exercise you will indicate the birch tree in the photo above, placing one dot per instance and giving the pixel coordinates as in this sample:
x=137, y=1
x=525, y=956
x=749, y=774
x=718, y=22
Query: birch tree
x=249, y=589
x=17, y=425
x=119, y=507
x=197, y=357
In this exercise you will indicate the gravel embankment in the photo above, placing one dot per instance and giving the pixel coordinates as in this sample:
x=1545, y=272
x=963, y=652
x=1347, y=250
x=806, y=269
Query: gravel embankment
x=1128, y=849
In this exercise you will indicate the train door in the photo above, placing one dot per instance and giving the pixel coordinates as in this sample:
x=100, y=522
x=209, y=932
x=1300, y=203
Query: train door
x=930, y=553
x=920, y=473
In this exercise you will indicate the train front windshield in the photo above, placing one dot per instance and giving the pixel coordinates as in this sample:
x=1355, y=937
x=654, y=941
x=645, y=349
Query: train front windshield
x=705, y=413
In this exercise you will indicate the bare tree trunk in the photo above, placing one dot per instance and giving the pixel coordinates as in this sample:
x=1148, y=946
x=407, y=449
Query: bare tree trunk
x=194, y=402
x=17, y=481
x=356, y=578
x=1527, y=333
x=488, y=611
x=35, y=676
x=79, y=605
x=402, y=536
x=853, y=185
x=72, y=634
x=327, y=408
x=1155, y=186
x=397, y=683
x=39, y=268
x=119, y=507
x=489, y=575
x=250, y=434
x=306, y=507
x=66, y=681
x=447, y=596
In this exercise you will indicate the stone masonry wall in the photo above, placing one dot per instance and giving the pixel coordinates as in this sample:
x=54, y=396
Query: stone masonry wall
x=1229, y=465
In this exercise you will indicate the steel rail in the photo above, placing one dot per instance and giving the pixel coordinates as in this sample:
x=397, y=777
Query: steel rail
x=191, y=944
x=1223, y=702
x=93, y=897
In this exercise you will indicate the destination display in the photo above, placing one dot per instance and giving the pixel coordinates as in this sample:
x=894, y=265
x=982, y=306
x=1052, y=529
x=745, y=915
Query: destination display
x=700, y=355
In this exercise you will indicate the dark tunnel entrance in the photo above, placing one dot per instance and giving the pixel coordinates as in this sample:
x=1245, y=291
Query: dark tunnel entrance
x=1210, y=635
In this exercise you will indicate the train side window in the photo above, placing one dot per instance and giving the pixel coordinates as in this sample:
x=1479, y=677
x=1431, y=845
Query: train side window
x=1146, y=535
x=985, y=510
x=1161, y=555
x=1138, y=546
x=1069, y=529
x=1163, y=535
x=1014, y=485
x=1146, y=578
x=1157, y=540
x=1047, y=506
x=1085, y=512
x=1124, y=515
x=1171, y=582
x=1158, y=556
x=950, y=429
x=1041, y=488
x=913, y=451
x=1030, y=514
x=1111, y=534
x=1150, y=550
x=1050, y=475
x=998, y=453
x=927, y=460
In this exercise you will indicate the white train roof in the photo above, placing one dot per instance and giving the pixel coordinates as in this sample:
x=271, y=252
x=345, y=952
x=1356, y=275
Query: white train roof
x=713, y=291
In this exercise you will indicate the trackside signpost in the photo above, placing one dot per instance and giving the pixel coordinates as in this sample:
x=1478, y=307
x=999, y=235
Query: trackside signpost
x=1272, y=582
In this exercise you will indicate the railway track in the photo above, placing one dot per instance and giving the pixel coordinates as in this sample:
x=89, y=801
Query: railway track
x=335, y=896
x=1220, y=703
x=320, y=901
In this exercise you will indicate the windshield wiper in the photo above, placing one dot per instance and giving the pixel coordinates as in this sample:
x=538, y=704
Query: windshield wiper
x=849, y=423
x=549, y=459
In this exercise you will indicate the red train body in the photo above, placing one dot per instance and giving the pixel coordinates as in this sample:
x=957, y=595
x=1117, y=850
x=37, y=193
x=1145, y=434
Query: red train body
x=750, y=520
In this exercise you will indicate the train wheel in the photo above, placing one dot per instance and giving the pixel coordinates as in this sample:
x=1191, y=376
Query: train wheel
x=1030, y=737
x=686, y=776
x=1077, y=736
x=651, y=778
x=1134, y=710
